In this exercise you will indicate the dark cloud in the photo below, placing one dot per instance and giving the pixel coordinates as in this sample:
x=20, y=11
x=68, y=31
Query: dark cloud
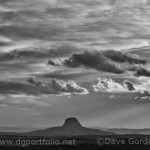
x=141, y=51
x=95, y=60
x=129, y=85
x=52, y=63
x=37, y=53
x=142, y=72
x=8, y=56
x=123, y=57
x=32, y=87
x=2, y=43
x=108, y=60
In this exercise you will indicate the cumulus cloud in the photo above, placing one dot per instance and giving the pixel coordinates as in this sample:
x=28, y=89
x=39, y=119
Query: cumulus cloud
x=129, y=85
x=68, y=87
x=109, y=85
x=95, y=60
x=145, y=98
x=32, y=87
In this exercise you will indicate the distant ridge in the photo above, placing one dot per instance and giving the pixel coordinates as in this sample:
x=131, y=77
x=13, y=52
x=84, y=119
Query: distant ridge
x=129, y=131
x=71, y=127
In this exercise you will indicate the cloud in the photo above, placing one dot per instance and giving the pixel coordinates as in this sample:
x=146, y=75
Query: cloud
x=65, y=75
x=22, y=100
x=77, y=21
x=32, y=87
x=142, y=72
x=95, y=60
x=32, y=32
x=5, y=41
x=129, y=85
x=34, y=20
x=62, y=12
x=145, y=98
x=2, y=43
x=52, y=63
x=37, y=53
x=68, y=87
x=108, y=60
x=22, y=62
x=111, y=23
x=122, y=57
x=109, y=85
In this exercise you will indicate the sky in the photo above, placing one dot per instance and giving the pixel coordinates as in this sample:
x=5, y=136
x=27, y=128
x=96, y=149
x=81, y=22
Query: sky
x=74, y=58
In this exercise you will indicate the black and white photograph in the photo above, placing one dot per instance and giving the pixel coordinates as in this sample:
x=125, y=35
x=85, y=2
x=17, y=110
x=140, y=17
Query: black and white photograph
x=75, y=74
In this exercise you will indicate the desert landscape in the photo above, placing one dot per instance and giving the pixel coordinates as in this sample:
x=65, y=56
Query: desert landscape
x=73, y=136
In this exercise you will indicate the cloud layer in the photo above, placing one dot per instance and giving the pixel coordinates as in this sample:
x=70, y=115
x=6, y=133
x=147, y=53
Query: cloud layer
x=32, y=87
x=35, y=53
x=108, y=23
x=61, y=24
